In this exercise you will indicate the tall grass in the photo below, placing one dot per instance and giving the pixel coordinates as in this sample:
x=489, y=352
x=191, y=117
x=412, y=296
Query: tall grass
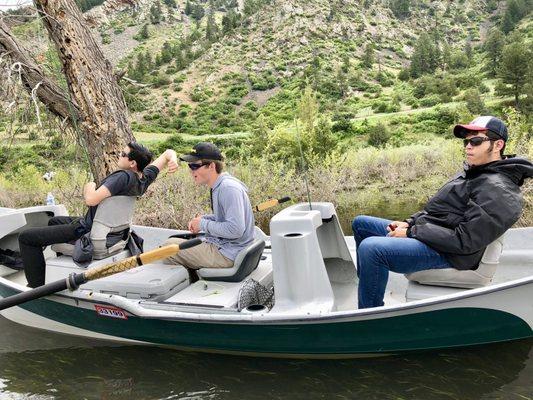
x=390, y=183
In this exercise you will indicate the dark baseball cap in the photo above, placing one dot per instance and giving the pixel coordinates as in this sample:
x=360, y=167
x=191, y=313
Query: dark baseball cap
x=485, y=123
x=203, y=151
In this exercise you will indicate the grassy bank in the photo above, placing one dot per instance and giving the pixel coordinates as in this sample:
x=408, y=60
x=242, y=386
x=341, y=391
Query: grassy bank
x=391, y=182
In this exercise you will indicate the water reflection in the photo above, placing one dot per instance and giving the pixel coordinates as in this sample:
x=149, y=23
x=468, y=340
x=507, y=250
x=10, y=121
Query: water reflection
x=70, y=368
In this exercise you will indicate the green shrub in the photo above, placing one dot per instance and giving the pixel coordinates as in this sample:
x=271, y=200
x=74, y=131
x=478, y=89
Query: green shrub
x=378, y=135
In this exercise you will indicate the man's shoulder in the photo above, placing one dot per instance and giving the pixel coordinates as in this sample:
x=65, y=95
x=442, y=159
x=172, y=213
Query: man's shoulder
x=232, y=182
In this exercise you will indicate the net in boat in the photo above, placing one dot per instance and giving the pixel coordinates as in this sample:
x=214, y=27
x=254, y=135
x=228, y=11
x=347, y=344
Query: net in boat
x=253, y=293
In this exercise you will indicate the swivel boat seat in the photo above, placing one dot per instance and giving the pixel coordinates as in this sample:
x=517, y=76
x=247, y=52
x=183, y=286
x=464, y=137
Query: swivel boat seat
x=453, y=278
x=245, y=263
x=113, y=215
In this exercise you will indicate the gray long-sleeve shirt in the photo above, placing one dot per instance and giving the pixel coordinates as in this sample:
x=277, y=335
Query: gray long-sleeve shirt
x=231, y=227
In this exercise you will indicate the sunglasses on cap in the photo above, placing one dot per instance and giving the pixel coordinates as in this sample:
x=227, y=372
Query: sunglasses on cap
x=476, y=141
x=194, y=167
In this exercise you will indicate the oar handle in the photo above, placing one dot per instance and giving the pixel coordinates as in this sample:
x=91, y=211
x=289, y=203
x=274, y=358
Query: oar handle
x=271, y=203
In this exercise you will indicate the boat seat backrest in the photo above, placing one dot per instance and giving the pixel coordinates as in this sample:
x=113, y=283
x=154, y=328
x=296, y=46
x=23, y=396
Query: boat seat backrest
x=113, y=215
x=468, y=279
x=245, y=263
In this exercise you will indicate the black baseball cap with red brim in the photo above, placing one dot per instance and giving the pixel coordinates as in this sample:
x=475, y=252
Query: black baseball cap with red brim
x=485, y=123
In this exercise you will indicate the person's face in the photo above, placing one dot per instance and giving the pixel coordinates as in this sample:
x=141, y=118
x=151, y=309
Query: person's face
x=124, y=162
x=481, y=152
x=201, y=172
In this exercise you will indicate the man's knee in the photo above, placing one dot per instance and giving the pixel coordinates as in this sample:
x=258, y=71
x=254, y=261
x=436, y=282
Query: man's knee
x=27, y=237
x=372, y=247
x=359, y=221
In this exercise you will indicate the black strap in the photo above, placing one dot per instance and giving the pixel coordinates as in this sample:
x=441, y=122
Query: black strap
x=211, y=199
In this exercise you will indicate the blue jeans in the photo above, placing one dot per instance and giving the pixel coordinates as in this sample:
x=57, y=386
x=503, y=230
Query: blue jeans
x=378, y=254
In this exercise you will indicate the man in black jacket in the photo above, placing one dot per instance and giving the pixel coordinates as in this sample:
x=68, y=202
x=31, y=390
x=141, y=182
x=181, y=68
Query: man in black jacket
x=452, y=231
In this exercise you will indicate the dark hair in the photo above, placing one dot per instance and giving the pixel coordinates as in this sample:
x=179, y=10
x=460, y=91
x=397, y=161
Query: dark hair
x=494, y=136
x=219, y=165
x=140, y=154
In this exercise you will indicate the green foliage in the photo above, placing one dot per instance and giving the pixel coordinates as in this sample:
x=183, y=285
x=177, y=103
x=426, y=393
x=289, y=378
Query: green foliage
x=368, y=57
x=493, y=46
x=143, y=33
x=170, y=3
x=155, y=13
x=442, y=86
x=378, y=135
x=515, y=68
x=86, y=5
x=401, y=8
x=426, y=57
x=515, y=10
x=474, y=102
x=263, y=81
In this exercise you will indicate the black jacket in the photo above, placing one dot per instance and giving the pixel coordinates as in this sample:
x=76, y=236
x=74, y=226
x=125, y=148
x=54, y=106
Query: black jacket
x=472, y=210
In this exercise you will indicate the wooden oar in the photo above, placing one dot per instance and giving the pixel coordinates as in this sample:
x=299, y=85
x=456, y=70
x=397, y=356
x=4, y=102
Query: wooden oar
x=270, y=203
x=73, y=281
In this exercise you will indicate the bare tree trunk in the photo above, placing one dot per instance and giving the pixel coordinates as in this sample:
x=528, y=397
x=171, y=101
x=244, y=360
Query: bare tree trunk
x=103, y=115
x=32, y=75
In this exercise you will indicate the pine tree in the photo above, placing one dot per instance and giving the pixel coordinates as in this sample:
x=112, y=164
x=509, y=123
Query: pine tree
x=211, y=29
x=166, y=53
x=401, y=8
x=323, y=140
x=170, y=3
x=425, y=58
x=507, y=23
x=180, y=62
x=513, y=70
x=493, y=46
x=155, y=13
x=368, y=56
x=198, y=12
x=188, y=8
x=144, y=33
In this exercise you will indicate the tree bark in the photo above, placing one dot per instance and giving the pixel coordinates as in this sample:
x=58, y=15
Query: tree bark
x=49, y=92
x=103, y=115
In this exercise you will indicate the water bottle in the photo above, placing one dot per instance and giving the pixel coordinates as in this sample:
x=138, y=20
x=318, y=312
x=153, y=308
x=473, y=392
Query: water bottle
x=50, y=200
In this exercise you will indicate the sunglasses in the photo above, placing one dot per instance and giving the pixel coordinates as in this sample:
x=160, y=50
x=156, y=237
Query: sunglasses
x=124, y=154
x=194, y=167
x=476, y=141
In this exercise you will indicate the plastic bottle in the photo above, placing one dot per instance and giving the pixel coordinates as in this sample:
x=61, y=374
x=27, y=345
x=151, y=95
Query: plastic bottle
x=50, y=200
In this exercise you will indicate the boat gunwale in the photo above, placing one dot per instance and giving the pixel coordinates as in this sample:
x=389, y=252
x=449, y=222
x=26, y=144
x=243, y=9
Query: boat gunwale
x=136, y=309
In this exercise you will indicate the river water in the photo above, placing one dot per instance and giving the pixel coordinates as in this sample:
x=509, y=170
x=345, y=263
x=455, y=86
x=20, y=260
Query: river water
x=39, y=365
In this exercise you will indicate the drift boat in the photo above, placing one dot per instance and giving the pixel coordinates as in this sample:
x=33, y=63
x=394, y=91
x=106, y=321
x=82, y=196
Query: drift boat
x=310, y=265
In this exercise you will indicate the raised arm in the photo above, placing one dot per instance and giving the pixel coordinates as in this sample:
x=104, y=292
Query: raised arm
x=169, y=159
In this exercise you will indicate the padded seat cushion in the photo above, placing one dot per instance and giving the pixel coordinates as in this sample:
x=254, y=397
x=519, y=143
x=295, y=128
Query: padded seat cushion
x=468, y=279
x=245, y=263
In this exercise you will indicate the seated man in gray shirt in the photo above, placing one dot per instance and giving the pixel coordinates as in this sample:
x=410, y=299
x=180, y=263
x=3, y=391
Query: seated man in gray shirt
x=230, y=228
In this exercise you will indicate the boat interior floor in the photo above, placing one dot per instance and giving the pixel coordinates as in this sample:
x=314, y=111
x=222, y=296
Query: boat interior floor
x=159, y=285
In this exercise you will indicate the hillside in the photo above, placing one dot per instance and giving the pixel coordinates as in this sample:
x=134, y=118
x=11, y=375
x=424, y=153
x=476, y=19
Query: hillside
x=217, y=67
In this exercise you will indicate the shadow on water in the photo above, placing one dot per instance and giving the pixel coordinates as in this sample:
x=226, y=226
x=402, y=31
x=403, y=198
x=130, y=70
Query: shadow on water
x=74, y=368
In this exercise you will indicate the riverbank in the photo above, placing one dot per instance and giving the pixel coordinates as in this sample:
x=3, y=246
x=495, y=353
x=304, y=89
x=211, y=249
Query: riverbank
x=392, y=183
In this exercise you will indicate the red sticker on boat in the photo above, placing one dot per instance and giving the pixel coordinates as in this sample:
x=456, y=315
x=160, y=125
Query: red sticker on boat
x=111, y=312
